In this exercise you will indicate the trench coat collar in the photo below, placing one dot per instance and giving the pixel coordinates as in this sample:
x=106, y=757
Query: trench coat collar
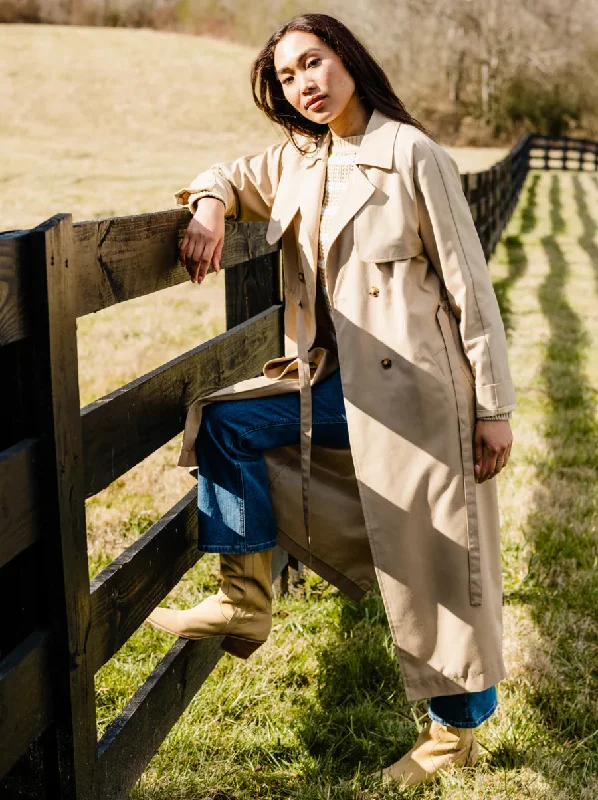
x=377, y=145
x=303, y=189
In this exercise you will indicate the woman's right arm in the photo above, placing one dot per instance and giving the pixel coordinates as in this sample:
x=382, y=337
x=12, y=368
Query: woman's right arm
x=242, y=190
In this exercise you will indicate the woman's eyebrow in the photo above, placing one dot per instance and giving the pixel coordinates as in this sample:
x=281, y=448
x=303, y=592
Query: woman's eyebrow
x=300, y=57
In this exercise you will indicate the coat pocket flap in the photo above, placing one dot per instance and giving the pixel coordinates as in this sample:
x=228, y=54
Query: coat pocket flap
x=400, y=249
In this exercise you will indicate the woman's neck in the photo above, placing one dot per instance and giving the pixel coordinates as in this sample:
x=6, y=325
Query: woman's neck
x=352, y=120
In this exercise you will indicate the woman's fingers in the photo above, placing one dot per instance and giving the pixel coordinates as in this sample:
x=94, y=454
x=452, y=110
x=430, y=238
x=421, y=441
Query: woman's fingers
x=196, y=254
x=478, y=451
x=183, y=250
x=488, y=464
x=217, y=254
x=493, y=439
x=493, y=465
x=501, y=461
x=203, y=239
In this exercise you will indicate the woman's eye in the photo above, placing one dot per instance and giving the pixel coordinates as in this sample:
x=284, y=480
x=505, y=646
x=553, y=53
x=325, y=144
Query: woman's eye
x=286, y=80
x=313, y=62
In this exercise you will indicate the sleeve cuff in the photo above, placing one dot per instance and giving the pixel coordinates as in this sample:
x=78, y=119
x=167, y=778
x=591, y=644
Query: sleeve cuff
x=196, y=196
x=506, y=415
x=209, y=184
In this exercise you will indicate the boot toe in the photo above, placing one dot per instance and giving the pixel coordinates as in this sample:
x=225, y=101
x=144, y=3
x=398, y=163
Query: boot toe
x=437, y=748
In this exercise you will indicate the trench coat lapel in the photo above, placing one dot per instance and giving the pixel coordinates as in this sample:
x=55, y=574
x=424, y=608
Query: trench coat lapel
x=302, y=188
x=285, y=206
x=311, y=190
x=374, y=154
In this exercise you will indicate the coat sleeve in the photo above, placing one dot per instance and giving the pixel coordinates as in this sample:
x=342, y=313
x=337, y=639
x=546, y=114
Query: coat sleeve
x=452, y=243
x=246, y=186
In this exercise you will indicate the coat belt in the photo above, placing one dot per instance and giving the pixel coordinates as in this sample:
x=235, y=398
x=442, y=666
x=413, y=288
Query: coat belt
x=305, y=414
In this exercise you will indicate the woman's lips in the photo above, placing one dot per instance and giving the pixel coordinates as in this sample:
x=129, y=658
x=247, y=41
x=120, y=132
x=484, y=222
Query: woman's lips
x=314, y=106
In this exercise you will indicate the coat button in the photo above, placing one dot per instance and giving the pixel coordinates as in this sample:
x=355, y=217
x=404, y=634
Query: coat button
x=302, y=277
x=386, y=363
x=374, y=291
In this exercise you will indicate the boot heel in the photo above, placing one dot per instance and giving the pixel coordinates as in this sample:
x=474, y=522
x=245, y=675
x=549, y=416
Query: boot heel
x=242, y=648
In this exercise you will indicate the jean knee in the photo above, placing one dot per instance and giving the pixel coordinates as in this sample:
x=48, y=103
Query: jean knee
x=218, y=422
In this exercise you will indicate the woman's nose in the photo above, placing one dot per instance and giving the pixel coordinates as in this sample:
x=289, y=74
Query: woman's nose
x=308, y=86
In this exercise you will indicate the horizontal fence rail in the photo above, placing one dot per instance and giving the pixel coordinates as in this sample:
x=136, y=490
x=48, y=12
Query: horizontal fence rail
x=124, y=427
x=54, y=455
x=564, y=152
x=116, y=260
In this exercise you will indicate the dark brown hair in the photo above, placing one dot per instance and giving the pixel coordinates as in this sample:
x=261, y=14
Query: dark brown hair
x=371, y=82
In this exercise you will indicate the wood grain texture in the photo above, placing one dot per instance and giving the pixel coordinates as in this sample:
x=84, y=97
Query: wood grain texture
x=13, y=298
x=21, y=511
x=56, y=391
x=118, y=259
x=125, y=257
x=130, y=742
x=124, y=427
x=26, y=697
x=33, y=777
x=252, y=287
x=129, y=588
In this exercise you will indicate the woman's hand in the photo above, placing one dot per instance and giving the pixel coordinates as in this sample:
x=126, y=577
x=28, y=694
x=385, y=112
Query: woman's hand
x=492, y=447
x=204, y=239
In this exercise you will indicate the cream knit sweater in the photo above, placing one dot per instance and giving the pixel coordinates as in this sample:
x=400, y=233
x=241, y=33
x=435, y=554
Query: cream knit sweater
x=341, y=159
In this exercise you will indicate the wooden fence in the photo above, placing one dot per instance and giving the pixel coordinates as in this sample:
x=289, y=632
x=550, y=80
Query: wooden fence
x=58, y=628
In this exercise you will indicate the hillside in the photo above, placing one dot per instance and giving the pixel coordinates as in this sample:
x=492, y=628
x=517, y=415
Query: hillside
x=112, y=121
x=109, y=121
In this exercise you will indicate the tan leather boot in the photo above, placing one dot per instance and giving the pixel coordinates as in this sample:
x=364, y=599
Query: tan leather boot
x=437, y=747
x=241, y=610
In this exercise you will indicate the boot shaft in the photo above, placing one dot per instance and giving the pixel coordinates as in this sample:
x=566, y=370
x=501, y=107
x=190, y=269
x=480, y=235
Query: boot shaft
x=247, y=579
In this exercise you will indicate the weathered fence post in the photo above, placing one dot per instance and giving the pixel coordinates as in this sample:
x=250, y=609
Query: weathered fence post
x=64, y=539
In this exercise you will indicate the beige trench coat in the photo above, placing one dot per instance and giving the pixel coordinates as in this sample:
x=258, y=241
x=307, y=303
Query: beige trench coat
x=422, y=353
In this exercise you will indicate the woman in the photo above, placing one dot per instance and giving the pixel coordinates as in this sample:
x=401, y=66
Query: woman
x=386, y=290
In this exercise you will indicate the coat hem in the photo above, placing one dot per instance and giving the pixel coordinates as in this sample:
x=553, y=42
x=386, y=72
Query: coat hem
x=444, y=685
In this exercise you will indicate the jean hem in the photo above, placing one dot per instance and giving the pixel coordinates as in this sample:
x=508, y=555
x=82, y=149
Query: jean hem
x=235, y=550
x=463, y=723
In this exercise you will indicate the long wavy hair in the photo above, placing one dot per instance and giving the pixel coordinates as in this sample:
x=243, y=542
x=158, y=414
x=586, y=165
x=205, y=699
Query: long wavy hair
x=371, y=82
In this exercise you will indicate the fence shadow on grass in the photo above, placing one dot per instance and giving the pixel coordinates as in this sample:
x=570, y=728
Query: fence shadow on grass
x=516, y=256
x=587, y=240
x=360, y=719
x=561, y=587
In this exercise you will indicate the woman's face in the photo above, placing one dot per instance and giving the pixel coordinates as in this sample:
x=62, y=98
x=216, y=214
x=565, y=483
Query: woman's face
x=311, y=71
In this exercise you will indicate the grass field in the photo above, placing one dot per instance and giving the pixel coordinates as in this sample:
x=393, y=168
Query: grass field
x=102, y=122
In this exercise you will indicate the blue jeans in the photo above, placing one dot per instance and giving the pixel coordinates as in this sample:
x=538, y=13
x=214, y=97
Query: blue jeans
x=233, y=496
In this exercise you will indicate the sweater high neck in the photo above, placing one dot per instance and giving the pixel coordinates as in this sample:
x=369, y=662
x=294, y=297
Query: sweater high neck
x=341, y=142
